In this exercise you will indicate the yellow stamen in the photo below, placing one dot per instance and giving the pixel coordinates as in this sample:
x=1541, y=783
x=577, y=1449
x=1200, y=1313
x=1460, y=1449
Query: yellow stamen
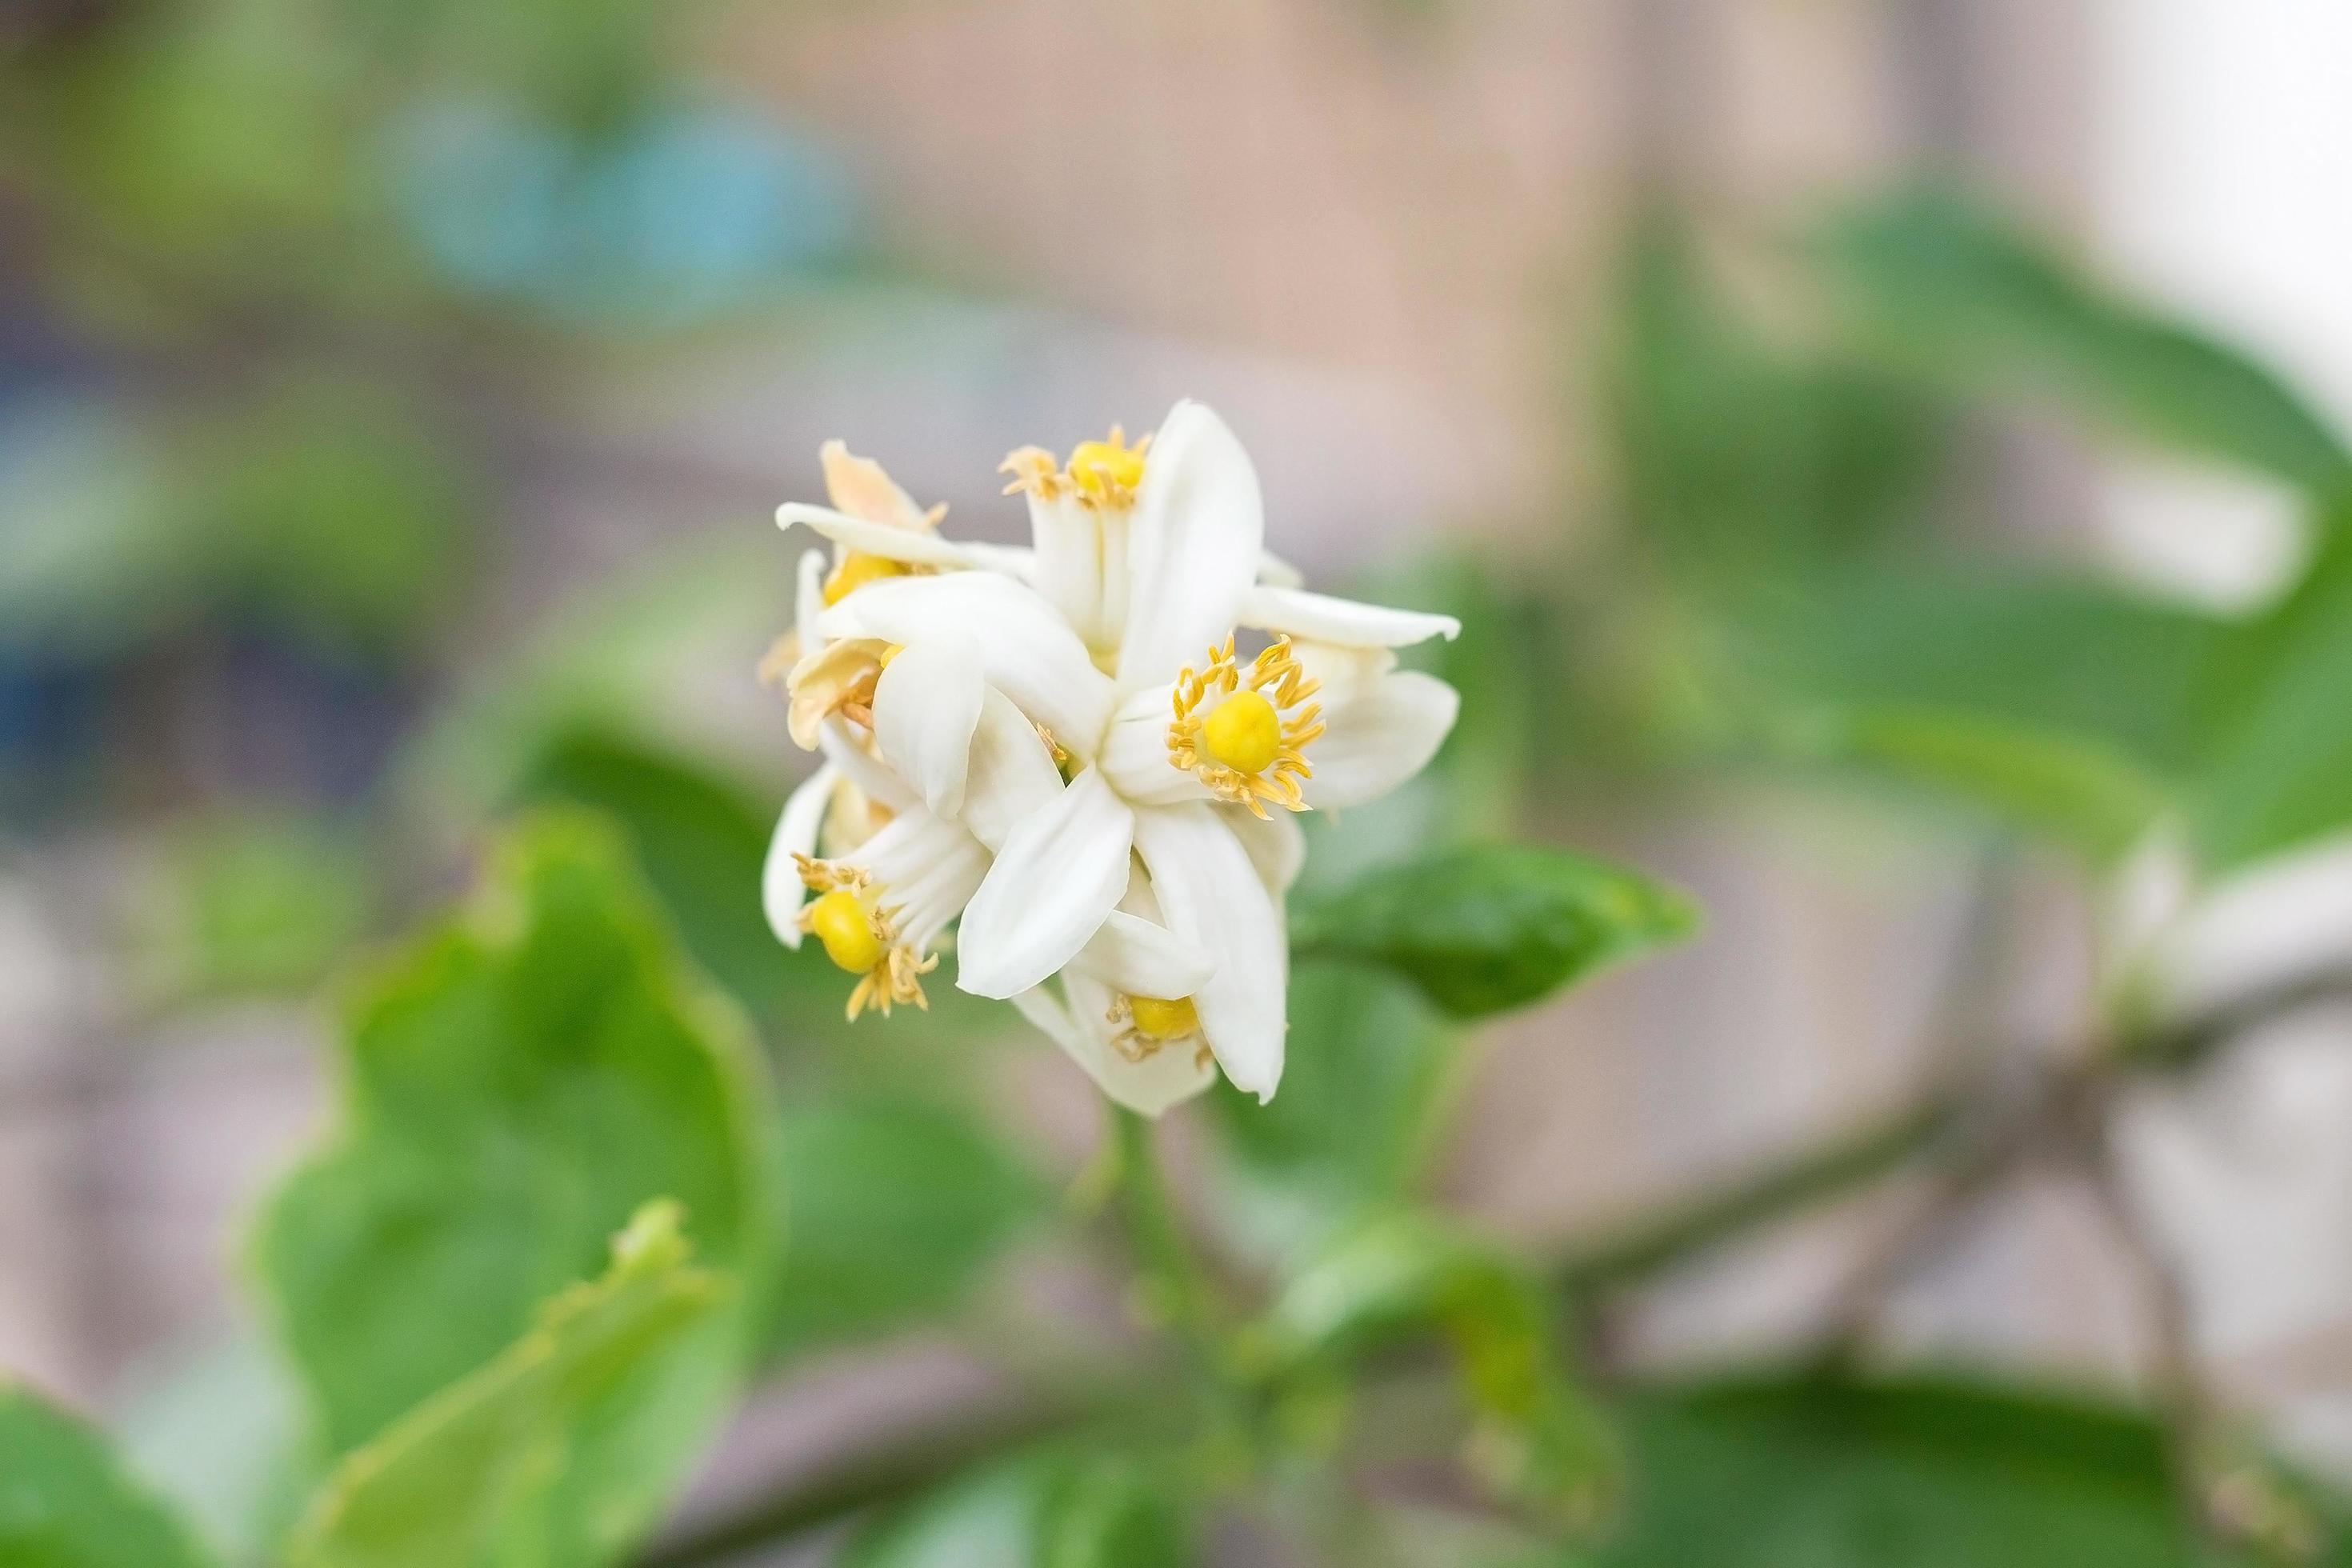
x=1163, y=1019
x=1244, y=732
x=857, y=570
x=1244, y=735
x=839, y=921
x=1101, y=467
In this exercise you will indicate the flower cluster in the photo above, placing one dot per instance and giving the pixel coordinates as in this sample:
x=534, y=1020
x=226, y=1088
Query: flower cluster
x=1058, y=750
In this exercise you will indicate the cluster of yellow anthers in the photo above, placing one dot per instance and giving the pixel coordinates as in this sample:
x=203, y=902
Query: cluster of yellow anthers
x=1101, y=474
x=861, y=939
x=1142, y=1025
x=1248, y=745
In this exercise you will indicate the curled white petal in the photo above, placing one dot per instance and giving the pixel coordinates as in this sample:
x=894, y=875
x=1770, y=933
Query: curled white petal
x=1151, y=1087
x=1346, y=622
x=1011, y=775
x=1194, y=548
x=1142, y=958
x=808, y=591
x=1068, y=558
x=1059, y=873
x=842, y=750
x=1275, y=844
x=912, y=546
x=1026, y=651
x=926, y=708
x=1213, y=897
x=1382, y=738
x=782, y=891
x=1275, y=573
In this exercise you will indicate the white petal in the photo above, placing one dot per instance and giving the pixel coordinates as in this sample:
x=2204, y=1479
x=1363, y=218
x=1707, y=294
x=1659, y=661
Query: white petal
x=1213, y=897
x=926, y=707
x=1275, y=573
x=1058, y=874
x=1011, y=773
x=914, y=546
x=1142, y=958
x=842, y=750
x=1380, y=740
x=1342, y=621
x=859, y=487
x=808, y=591
x=1135, y=753
x=1199, y=528
x=1342, y=673
x=1068, y=559
x=782, y=891
x=1274, y=843
x=1028, y=651
x=1165, y=1079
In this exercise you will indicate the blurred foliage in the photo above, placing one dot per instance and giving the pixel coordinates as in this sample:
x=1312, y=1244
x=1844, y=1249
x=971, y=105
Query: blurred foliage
x=560, y=1450
x=1053, y=1508
x=65, y=1503
x=255, y=905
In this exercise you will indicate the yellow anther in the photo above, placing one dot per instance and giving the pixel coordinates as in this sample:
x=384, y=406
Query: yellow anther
x=1244, y=732
x=841, y=923
x=1160, y=1019
x=857, y=570
x=1107, y=471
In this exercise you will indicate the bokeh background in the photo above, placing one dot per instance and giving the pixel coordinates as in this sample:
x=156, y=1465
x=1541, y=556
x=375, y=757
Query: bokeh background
x=393, y=400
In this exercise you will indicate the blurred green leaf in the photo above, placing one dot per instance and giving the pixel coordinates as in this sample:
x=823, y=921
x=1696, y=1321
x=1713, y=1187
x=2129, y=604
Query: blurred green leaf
x=2280, y=771
x=222, y=1437
x=518, y=1084
x=1364, y=1067
x=2066, y=706
x=1403, y=1274
x=1485, y=929
x=1949, y=289
x=66, y=1503
x=893, y=1211
x=510, y=1464
x=257, y=905
x=1739, y=455
x=1051, y=1509
x=1770, y=1473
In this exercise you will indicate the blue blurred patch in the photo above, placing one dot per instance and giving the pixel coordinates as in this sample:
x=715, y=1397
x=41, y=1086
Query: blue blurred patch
x=683, y=216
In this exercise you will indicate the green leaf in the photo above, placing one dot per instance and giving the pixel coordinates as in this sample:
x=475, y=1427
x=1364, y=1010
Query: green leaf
x=1739, y=455
x=1485, y=929
x=2065, y=706
x=1364, y=1071
x=66, y=1503
x=1949, y=289
x=518, y=1085
x=1769, y=1473
x=894, y=1209
x=504, y=1464
x=2280, y=771
x=1053, y=1508
x=1407, y=1273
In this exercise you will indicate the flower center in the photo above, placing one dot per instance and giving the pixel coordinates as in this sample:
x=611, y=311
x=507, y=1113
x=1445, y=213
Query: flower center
x=1242, y=732
x=1163, y=1019
x=1102, y=467
x=839, y=921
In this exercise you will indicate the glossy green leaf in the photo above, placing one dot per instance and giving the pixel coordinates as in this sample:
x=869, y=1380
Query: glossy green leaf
x=1485, y=929
x=518, y=1084
x=1052, y=1509
x=1404, y=1274
x=894, y=1210
x=506, y=1464
x=1949, y=289
x=64, y=1502
x=1775, y=1473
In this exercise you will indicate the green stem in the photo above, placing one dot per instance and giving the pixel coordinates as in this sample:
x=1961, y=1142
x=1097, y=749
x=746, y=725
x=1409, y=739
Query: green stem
x=1179, y=1289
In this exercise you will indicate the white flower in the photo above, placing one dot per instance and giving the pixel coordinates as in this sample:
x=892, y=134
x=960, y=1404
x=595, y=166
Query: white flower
x=1115, y=637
